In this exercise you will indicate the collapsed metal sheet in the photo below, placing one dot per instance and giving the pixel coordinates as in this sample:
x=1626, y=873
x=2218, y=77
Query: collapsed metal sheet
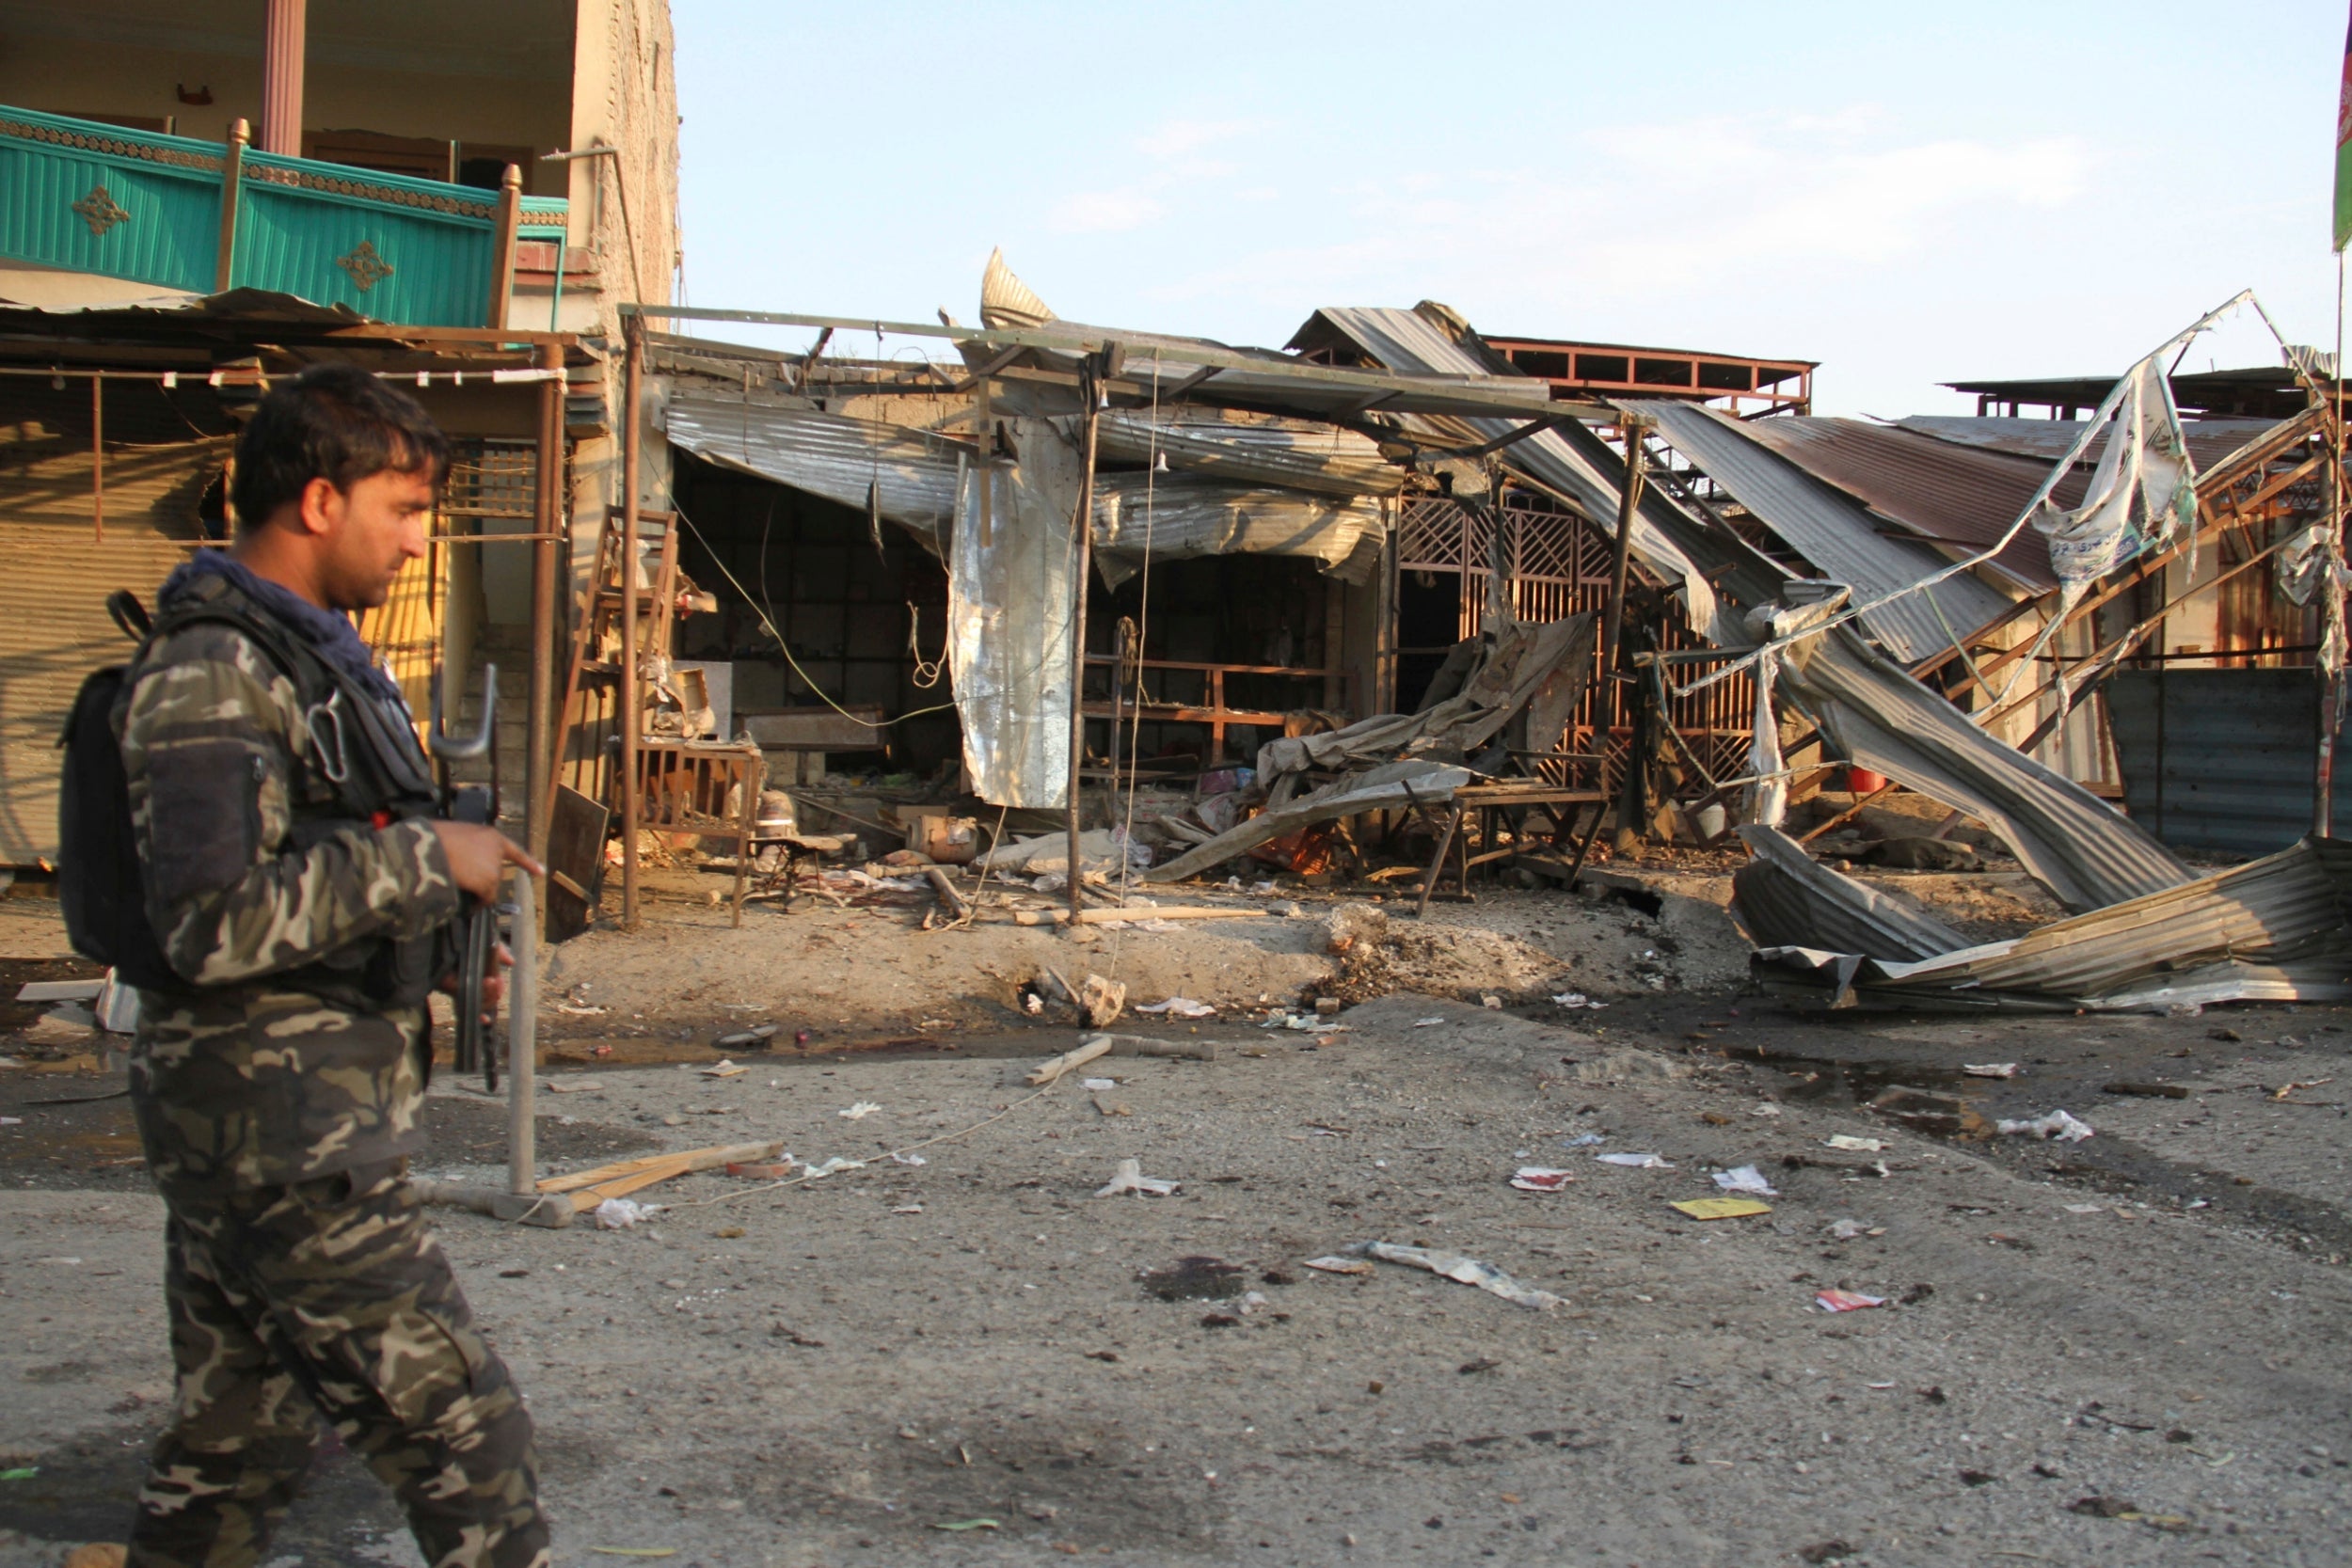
x=1297, y=455
x=1416, y=781
x=1784, y=897
x=1185, y=514
x=1012, y=583
x=911, y=474
x=1872, y=713
x=2271, y=930
x=1408, y=340
x=1833, y=532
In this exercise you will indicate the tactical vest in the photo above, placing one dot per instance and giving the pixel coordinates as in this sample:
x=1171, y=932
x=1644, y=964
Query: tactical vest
x=356, y=762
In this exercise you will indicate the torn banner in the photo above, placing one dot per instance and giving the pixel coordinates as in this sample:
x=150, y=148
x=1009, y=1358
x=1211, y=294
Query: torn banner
x=1012, y=595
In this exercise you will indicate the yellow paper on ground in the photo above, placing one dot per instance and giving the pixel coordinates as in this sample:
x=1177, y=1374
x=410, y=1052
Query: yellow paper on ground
x=1722, y=1208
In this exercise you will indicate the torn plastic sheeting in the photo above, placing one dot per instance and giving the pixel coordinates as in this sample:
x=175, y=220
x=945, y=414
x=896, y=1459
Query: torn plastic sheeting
x=1453, y=1266
x=1186, y=515
x=1385, y=788
x=1011, y=593
x=2271, y=930
x=1785, y=898
x=1875, y=715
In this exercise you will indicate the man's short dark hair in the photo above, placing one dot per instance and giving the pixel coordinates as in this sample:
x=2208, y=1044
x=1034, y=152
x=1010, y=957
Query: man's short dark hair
x=335, y=422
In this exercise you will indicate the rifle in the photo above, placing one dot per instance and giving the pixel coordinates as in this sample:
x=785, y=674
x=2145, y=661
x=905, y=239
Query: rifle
x=477, y=923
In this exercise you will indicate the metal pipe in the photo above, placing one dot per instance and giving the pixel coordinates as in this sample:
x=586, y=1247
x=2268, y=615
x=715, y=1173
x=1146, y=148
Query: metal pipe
x=1629, y=505
x=539, y=761
x=634, y=370
x=522, y=1046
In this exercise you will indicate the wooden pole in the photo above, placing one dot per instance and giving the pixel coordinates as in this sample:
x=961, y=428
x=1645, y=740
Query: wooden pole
x=548, y=512
x=502, y=245
x=98, y=453
x=231, y=191
x=632, y=409
x=1084, y=525
x=1628, y=506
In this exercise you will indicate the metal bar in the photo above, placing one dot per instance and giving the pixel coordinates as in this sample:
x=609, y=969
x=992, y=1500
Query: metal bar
x=522, y=1046
x=539, y=761
x=97, y=454
x=1065, y=338
x=231, y=188
x=631, y=457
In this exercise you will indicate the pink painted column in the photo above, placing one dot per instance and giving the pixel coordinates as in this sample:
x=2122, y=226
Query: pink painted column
x=281, y=77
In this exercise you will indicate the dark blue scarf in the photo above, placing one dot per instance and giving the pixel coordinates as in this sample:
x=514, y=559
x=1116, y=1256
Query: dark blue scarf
x=329, y=633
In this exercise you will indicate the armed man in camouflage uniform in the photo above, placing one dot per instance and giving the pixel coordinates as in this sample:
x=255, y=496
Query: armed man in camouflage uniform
x=278, y=1092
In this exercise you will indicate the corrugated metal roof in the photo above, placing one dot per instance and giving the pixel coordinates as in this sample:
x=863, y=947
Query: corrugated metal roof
x=1830, y=530
x=913, y=475
x=2209, y=440
x=2270, y=930
x=1785, y=898
x=1297, y=453
x=2219, y=759
x=1407, y=341
x=1184, y=514
x=1954, y=494
x=1872, y=713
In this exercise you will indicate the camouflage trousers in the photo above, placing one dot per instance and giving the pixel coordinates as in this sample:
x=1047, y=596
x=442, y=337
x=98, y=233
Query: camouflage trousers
x=331, y=1298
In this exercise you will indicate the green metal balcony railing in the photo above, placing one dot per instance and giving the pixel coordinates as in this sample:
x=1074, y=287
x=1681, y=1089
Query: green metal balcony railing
x=209, y=216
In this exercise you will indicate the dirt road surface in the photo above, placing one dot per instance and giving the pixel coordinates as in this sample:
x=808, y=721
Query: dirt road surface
x=2130, y=1349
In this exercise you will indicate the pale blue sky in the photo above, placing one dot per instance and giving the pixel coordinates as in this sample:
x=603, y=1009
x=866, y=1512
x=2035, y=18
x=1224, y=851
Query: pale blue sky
x=1907, y=195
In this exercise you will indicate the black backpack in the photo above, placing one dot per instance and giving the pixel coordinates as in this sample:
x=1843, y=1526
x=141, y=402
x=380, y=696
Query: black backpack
x=100, y=885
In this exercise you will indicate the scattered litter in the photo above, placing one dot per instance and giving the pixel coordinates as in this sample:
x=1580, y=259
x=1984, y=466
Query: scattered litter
x=1846, y=1230
x=1846, y=1301
x=581, y=1012
x=756, y=1038
x=26, y=1472
x=1178, y=1007
x=725, y=1069
x=1095, y=1085
x=1341, y=1265
x=1453, y=1266
x=60, y=991
x=971, y=1523
x=1195, y=1279
x=1303, y=1021
x=1539, y=1178
x=1493, y=1004
x=634, y=1551
x=908, y=1208
x=1636, y=1161
x=1766, y=1109
x=858, y=1111
x=2057, y=1124
x=11, y=1122
x=1989, y=1070
x=66, y=1262
x=908, y=1159
x=2086, y=1207
x=1574, y=999
x=1721, y=1207
x=1128, y=1178
x=834, y=1166
x=1745, y=1178
x=1583, y=1140
x=1859, y=1146
x=1427, y=1023
x=619, y=1213
x=775, y=1170
x=1101, y=1000
x=557, y=1086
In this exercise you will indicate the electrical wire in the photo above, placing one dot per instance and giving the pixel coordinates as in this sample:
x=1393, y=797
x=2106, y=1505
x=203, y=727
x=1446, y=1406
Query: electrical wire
x=1143, y=621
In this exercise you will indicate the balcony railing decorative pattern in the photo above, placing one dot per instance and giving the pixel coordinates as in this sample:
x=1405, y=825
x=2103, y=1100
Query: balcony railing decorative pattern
x=182, y=214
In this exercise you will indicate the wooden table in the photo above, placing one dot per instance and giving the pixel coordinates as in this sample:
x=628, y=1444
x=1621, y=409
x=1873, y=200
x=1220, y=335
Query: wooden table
x=1492, y=801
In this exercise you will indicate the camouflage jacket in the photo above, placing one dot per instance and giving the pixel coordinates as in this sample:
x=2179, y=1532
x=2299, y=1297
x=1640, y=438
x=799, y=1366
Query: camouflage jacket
x=244, y=1079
